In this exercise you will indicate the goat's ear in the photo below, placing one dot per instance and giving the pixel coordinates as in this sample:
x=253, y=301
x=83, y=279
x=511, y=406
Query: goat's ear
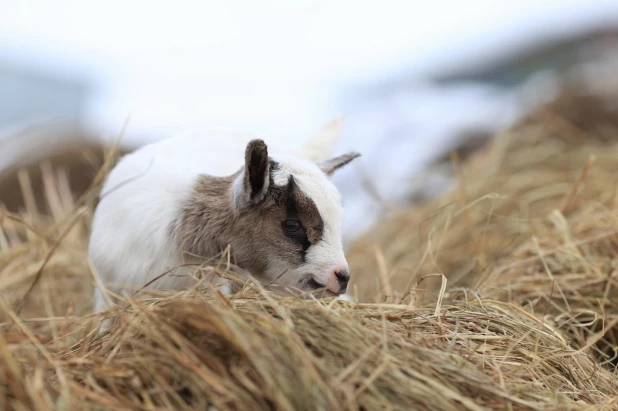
x=256, y=172
x=331, y=165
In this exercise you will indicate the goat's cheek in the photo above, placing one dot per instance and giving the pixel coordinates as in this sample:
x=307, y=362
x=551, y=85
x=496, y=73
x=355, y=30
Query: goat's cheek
x=281, y=251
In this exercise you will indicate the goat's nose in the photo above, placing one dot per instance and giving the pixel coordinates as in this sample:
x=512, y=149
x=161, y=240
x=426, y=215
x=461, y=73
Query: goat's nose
x=343, y=277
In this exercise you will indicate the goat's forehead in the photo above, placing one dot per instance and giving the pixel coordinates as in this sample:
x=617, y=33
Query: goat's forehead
x=313, y=183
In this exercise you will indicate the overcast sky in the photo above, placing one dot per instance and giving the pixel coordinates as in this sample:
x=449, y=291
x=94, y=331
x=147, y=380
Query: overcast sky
x=275, y=65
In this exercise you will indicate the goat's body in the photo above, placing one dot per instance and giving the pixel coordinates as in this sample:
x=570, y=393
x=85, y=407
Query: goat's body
x=172, y=203
x=131, y=243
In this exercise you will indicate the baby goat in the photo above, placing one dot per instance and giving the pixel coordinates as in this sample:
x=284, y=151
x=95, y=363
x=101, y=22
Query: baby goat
x=189, y=196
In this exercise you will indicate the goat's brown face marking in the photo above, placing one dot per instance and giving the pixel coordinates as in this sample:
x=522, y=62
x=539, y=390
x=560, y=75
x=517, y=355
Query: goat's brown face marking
x=302, y=224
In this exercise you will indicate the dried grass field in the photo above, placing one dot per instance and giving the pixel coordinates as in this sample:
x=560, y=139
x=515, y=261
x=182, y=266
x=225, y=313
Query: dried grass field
x=500, y=295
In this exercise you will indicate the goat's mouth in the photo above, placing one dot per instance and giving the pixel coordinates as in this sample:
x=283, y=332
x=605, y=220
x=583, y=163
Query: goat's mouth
x=318, y=290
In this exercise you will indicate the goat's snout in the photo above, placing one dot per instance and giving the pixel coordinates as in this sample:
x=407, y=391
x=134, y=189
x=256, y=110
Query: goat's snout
x=343, y=277
x=337, y=282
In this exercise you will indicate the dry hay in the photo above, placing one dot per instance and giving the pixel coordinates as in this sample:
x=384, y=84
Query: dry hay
x=504, y=195
x=534, y=221
x=257, y=350
x=510, y=347
x=567, y=275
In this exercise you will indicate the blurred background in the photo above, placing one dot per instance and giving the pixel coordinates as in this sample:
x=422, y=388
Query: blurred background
x=414, y=80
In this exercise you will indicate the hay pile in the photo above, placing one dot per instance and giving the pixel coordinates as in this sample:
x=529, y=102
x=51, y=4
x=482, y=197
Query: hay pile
x=529, y=335
x=542, y=164
x=262, y=352
x=534, y=221
x=253, y=352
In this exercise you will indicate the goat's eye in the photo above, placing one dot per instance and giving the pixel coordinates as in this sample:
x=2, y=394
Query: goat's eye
x=291, y=226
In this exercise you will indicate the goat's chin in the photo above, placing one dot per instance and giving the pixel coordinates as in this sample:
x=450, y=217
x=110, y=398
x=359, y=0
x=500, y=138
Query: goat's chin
x=319, y=293
x=303, y=290
x=314, y=290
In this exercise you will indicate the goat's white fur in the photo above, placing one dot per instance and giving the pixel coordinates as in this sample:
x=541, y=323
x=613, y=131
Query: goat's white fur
x=130, y=242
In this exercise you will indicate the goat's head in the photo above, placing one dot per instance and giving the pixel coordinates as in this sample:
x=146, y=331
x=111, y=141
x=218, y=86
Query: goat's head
x=290, y=215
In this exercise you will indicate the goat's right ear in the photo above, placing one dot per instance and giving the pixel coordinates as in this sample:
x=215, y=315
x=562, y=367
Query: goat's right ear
x=256, y=172
x=330, y=166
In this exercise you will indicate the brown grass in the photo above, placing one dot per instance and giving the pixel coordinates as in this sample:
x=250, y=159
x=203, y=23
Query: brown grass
x=534, y=221
x=531, y=231
x=505, y=195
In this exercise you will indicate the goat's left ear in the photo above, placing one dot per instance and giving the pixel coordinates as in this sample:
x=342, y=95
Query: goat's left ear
x=257, y=171
x=331, y=165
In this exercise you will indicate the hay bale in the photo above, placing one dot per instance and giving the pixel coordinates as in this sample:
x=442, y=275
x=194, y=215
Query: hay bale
x=262, y=352
x=259, y=352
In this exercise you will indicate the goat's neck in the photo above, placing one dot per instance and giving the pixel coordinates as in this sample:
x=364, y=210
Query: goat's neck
x=206, y=216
